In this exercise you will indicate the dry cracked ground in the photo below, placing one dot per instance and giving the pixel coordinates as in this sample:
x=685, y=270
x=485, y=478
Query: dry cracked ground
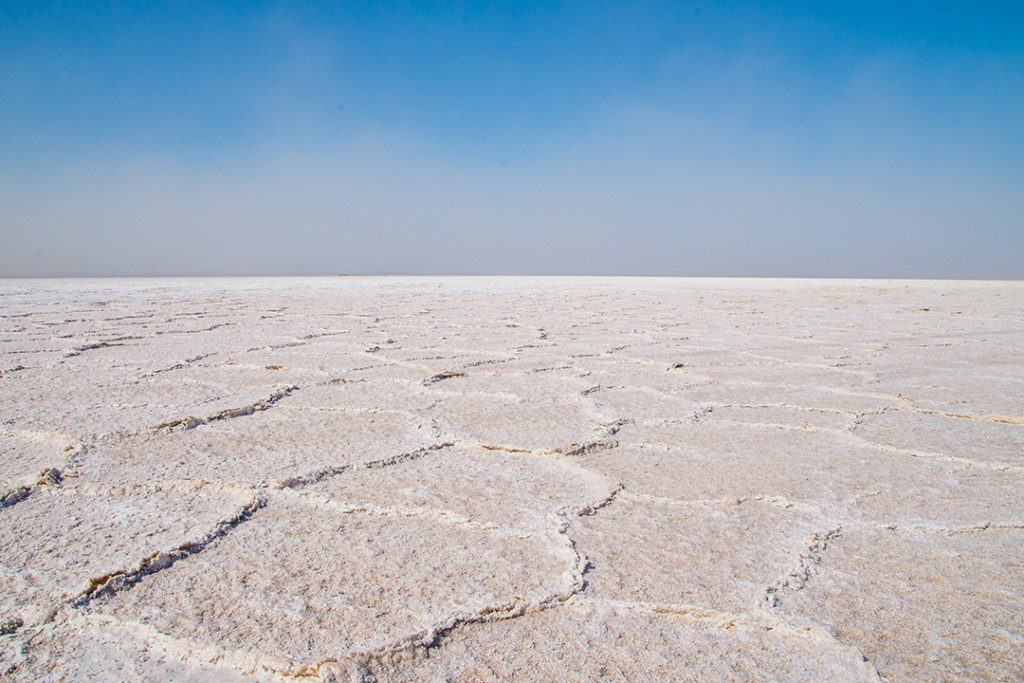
x=511, y=479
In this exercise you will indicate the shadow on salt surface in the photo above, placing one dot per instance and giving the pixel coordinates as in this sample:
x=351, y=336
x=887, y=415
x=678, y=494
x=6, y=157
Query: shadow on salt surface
x=267, y=446
x=891, y=593
x=308, y=580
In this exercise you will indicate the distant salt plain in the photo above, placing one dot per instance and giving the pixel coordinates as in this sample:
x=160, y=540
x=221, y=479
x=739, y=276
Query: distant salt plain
x=511, y=478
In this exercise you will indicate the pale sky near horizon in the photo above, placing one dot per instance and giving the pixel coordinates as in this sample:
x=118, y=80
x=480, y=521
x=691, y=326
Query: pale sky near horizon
x=868, y=139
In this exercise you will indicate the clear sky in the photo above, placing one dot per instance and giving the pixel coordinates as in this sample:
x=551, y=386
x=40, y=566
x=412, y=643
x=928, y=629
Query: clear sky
x=666, y=138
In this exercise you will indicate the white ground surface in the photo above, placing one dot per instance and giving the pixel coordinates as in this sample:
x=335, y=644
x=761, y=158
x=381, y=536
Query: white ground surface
x=511, y=479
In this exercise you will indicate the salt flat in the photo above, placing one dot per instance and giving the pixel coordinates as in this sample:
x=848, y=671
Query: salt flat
x=511, y=478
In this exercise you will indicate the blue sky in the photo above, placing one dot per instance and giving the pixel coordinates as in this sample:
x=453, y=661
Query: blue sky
x=676, y=138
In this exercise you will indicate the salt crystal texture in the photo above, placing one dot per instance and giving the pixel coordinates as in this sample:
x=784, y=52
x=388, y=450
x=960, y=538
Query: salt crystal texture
x=399, y=479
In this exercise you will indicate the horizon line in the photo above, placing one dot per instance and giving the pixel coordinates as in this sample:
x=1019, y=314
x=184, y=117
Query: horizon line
x=508, y=275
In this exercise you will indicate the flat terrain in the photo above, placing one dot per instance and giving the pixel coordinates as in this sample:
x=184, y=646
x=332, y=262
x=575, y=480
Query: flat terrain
x=560, y=479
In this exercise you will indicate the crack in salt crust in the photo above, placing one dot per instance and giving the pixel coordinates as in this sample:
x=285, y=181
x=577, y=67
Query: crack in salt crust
x=599, y=397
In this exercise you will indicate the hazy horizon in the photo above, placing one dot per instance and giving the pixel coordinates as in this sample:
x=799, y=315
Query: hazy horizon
x=684, y=139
